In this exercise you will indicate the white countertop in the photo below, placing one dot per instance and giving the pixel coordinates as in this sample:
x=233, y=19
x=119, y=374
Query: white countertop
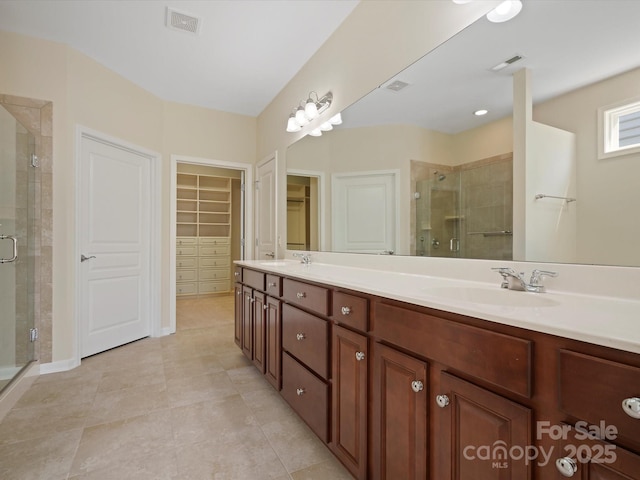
x=607, y=321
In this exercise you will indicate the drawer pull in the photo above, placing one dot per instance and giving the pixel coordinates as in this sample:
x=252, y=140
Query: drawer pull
x=360, y=356
x=299, y=391
x=442, y=400
x=567, y=466
x=300, y=336
x=631, y=407
x=345, y=310
x=272, y=284
x=301, y=295
x=417, y=386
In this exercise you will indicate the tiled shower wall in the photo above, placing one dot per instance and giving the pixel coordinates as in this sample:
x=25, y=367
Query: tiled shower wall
x=36, y=116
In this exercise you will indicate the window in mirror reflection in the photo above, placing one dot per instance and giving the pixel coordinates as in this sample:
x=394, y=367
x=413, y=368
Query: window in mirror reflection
x=302, y=212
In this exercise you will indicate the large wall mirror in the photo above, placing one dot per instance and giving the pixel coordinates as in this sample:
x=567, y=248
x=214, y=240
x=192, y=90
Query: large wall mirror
x=412, y=170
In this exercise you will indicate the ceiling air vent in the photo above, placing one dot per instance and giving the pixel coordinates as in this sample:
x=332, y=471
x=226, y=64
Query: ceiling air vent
x=181, y=21
x=506, y=63
x=397, y=85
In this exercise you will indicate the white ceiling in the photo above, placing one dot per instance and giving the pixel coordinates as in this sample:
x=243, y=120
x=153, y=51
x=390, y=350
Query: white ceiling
x=245, y=53
x=565, y=43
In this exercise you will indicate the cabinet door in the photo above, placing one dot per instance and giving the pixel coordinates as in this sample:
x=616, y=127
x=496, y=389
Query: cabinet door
x=349, y=399
x=472, y=424
x=584, y=458
x=247, y=323
x=273, y=343
x=259, y=314
x=237, y=318
x=399, y=417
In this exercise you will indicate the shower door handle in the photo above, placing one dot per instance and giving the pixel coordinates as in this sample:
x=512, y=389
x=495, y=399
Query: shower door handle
x=15, y=249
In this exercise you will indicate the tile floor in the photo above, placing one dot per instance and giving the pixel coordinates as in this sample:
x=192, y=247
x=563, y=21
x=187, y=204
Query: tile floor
x=185, y=406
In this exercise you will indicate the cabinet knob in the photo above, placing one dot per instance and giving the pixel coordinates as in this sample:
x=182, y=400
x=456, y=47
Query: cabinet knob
x=299, y=391
x=345, y=310
x=237, y=274
x=265, y=306
x=253, y=300
x=271, y=284
x=442, y=400
x=567, y=466
x=301, y=295
x=417, y=386
x=300, y=336
x=360, y=356
x=631, y=407
x=239, y=293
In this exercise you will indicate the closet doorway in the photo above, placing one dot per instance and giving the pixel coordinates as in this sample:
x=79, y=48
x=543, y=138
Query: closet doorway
x=210, y=208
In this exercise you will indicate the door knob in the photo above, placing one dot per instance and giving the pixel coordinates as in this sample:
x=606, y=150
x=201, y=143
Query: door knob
x=83, y=258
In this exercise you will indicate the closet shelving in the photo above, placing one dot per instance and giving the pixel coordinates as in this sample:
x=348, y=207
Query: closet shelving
x=203, y=228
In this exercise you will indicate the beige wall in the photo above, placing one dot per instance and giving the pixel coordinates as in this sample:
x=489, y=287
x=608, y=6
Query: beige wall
x=607, y=190
x=85, y=93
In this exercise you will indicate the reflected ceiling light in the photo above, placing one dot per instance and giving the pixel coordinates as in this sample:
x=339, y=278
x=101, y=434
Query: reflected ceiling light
x=316, y=132
x=505, y=11
x=481, y=112
x=311, y=110
x=326, y=127
x=461, y=2
x=336, y=119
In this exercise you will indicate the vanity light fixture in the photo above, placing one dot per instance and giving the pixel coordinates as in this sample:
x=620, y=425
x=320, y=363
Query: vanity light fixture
x=502, y=13
x=311, y=110
x=481, y=112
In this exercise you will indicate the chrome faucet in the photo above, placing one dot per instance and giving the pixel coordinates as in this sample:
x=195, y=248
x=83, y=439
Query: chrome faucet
x=304, y=258
x=515, y=281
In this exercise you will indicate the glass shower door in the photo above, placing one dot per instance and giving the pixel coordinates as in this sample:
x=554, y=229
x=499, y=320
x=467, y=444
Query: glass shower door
x=17, y=192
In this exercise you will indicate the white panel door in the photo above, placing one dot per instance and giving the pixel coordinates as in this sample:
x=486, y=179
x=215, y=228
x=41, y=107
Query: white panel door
x=363, y=212
x=266, y=230
x=115, y=213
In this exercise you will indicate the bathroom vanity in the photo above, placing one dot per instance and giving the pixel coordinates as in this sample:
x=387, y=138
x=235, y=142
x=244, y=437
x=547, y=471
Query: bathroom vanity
x=413, y=377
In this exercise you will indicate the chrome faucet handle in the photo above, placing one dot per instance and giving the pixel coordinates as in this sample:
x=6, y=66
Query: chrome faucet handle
x=536, y=275
x=506, y=273
x=304, y=257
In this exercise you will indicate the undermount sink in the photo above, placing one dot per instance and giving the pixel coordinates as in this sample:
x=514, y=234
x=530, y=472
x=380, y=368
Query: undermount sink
x=274, y=263
x=486, y=296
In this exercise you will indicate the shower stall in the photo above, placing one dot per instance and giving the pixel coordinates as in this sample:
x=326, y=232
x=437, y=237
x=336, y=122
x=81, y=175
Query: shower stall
x=464, y=211
x=18, y=226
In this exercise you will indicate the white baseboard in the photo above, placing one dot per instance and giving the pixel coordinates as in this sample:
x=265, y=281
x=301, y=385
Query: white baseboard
x=59, y=366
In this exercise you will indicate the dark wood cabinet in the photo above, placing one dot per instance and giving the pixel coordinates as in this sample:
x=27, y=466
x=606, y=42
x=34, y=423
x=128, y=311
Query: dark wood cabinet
x=273, y=342
x=237, y=318
x=259, y=324
x=350, y=357
x=400, y=391
x=399, y=419
x=247, y=322
x=477, y=429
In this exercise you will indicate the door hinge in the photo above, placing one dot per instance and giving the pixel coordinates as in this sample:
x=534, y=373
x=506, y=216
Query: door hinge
x=34, y=161
x=256, y=242
x=257, y=183
x=33, y=334
x=242, y=187
x=242, y=242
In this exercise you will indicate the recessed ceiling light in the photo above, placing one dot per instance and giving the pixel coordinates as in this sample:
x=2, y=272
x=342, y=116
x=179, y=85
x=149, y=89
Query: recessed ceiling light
x=479, y=113
x=505, y=11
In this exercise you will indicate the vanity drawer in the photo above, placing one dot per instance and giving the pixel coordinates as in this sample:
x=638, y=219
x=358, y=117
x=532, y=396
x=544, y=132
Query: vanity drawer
x=580, y=376
x=311, y=297
x=306, y=337
x=253, y=279
x=209, y=262
x=180, y=241
x=186, y=250
x=190, y=288
x=351, y=310
x=213, y=250
x=502, y=360
x=213, y=240
x=274, y=285
x=307, y=395
x=214, y=274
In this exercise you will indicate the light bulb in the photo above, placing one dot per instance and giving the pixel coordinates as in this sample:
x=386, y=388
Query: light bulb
x=505, y=11
x=311, y=109
x=326, y=126
x=336, y=119
x=292, y=125
x=316, y=132
x=301, y=118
